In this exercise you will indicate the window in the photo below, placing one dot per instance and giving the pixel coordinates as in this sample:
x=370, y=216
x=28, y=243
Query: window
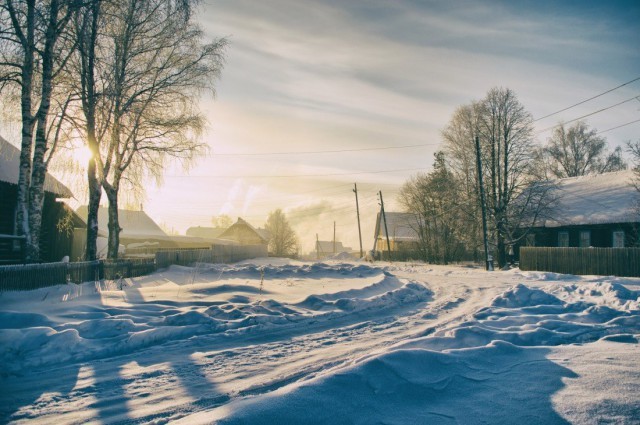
x=618, y=239
x=563, y=239
x=585, y=239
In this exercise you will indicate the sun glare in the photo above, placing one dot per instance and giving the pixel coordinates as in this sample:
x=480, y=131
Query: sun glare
x=82, y=155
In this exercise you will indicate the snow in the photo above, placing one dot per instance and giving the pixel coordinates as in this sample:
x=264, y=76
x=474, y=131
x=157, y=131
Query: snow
x=10, y=170
x=282, y=341
x=595, y=199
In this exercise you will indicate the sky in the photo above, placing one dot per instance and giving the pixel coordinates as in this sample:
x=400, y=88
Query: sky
x=312, y=75
x=321, y=75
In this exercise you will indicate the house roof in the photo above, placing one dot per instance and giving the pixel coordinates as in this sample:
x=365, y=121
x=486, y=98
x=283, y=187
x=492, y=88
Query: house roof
x=262, y=233
x=401, y=226
x=326, y=247
x=10, y=170
x=133, y=223
x=599, y=199
x=205, y=232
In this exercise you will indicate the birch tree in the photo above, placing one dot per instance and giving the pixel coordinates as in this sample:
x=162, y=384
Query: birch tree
x=160, y=66
x=87, y=25
x=151, y=65
x=32, y=56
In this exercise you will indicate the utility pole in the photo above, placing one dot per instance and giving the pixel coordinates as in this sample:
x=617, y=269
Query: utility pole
x=482, y=205
x=384, y=218
x=334, y=238
x=355, y=190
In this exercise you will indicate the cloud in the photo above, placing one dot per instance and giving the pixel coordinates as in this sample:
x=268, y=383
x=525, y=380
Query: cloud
x=324, y=75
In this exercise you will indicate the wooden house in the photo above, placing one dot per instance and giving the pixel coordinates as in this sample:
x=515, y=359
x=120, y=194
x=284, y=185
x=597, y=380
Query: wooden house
x=403, y=232
x=243, y=233
x=58, y=219
x=590, y=211
x=324, y=249
x=139, y=234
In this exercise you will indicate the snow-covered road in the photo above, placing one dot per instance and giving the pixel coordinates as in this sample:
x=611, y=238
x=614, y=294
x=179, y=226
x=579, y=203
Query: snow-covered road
x=281, y=342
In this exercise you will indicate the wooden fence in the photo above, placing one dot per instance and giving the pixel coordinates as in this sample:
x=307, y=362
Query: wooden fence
x=582, y=261
x=217, y=254
x=34, y=276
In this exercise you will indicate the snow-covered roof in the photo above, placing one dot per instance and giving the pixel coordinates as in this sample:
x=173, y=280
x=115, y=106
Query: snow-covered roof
x=262, y=233
x=131, y=222
x=401, y=226
x=10, y=170
x=599, y=199
x=326, y=247
x=205, y=232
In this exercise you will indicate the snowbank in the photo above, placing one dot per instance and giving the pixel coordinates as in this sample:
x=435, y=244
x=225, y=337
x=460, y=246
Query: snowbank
x=99, y=331
x=473, y=373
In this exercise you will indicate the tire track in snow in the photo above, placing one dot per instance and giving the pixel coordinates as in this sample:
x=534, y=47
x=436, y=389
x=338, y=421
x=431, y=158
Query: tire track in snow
x=179, y=384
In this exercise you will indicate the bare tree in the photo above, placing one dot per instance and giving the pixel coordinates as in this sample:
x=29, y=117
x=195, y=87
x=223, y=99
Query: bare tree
x=633, y=148
x=284, y=241
x=459, y=137
x=143, y=66
x=578, y=151
x=32, y=55
x=504, y=129
x=86, y=29
x=433, y=200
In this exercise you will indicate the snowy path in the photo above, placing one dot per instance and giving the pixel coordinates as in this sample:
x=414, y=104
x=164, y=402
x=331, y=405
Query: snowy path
x=153, y=354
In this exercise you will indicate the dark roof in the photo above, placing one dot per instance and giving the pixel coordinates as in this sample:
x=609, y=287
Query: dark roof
x=133, y=223
x=10, y=171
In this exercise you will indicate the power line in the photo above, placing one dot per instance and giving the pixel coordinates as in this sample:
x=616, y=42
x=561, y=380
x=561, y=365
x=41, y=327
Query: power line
x=299, y=175
x=324, y=151
x=590, y=114
x=618, y=126
x=587, y=100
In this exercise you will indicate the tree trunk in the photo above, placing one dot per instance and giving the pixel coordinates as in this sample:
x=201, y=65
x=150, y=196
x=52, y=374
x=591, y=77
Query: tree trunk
x=39, y=165
x=95, y=193
x=502, y=256
x=87, y=48
x=24, y=176
x=114, y=224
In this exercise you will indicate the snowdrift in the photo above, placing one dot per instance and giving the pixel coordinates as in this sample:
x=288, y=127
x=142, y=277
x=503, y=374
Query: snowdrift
x=473, y=373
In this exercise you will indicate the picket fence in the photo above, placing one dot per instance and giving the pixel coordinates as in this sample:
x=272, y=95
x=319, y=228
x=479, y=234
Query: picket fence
x=582, y=261
x=34, y=276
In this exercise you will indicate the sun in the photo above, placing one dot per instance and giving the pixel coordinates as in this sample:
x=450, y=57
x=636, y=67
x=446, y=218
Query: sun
x=82, y=155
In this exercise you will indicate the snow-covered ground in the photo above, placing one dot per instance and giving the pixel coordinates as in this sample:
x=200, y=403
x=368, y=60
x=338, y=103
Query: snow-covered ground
x=277, y=341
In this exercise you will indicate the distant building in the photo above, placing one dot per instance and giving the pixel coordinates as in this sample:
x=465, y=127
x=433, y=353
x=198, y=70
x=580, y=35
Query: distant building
x=324, y=249
x=57, y=217
x=139, y=235
x=243, y=233
x=590, y=211
x=403, y=232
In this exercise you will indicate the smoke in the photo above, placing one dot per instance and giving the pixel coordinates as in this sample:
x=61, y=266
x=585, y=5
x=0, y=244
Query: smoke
x=316, y=220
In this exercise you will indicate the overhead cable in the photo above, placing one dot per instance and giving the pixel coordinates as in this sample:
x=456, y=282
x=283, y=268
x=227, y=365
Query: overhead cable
x=587, y=100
